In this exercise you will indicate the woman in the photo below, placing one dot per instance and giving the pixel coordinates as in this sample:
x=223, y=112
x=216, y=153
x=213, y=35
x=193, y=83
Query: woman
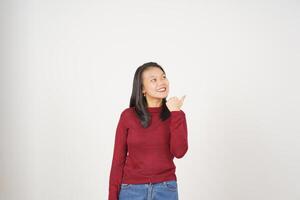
x=150, y=133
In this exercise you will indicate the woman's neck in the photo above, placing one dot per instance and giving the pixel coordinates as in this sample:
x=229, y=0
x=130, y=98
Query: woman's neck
x=159, y=104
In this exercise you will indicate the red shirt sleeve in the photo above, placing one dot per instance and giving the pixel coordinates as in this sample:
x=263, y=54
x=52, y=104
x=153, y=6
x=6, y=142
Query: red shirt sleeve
x=119, y=158
x=179, y=135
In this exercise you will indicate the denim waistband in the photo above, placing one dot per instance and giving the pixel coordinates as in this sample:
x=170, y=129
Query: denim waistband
x=147, y=184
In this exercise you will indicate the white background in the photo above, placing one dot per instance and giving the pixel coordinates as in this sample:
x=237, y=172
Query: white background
x=66, y=74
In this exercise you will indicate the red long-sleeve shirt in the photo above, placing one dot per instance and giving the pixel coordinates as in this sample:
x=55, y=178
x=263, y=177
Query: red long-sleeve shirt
x=145, y=155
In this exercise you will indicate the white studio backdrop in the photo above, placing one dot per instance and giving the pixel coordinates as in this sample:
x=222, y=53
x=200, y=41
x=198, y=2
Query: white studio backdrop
x=66, y=74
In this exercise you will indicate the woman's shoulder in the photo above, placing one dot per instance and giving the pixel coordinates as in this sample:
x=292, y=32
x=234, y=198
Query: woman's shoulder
x=128, y=116
x=126, y=112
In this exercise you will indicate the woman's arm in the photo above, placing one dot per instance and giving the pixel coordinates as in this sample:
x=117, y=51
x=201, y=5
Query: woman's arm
x=179, y=135
x=119, y=158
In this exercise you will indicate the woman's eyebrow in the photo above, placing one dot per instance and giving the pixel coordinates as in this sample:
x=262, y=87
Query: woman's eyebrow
x=154, y=76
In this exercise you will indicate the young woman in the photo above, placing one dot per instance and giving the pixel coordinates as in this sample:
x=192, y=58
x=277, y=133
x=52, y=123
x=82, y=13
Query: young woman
x=150, y=133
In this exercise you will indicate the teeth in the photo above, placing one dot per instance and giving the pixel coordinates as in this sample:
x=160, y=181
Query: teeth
x=162, y=89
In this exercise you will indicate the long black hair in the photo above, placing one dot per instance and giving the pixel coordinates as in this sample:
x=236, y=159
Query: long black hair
x=139, y=101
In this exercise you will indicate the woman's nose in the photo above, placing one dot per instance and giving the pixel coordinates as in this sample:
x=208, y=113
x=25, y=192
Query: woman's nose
x=163, y=82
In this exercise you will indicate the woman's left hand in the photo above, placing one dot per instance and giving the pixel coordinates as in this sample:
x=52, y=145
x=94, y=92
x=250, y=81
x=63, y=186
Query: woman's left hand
x=174, y=103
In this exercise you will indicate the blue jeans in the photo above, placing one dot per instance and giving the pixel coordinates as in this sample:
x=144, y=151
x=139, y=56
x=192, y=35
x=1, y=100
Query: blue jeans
x=166, y=190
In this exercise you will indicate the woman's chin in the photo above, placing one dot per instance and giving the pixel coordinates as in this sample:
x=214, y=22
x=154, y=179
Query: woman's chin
x=162, y=96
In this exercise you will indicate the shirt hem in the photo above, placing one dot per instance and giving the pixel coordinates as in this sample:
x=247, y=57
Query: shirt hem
x=150, y=180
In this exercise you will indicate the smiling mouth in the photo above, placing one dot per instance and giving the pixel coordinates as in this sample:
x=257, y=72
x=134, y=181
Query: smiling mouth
x=162, y=89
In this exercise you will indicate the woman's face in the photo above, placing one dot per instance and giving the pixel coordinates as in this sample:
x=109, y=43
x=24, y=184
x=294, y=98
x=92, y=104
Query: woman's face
x=155, y=84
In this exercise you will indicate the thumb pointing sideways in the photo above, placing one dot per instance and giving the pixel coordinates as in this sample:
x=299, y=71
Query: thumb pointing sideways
x=182, y=98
